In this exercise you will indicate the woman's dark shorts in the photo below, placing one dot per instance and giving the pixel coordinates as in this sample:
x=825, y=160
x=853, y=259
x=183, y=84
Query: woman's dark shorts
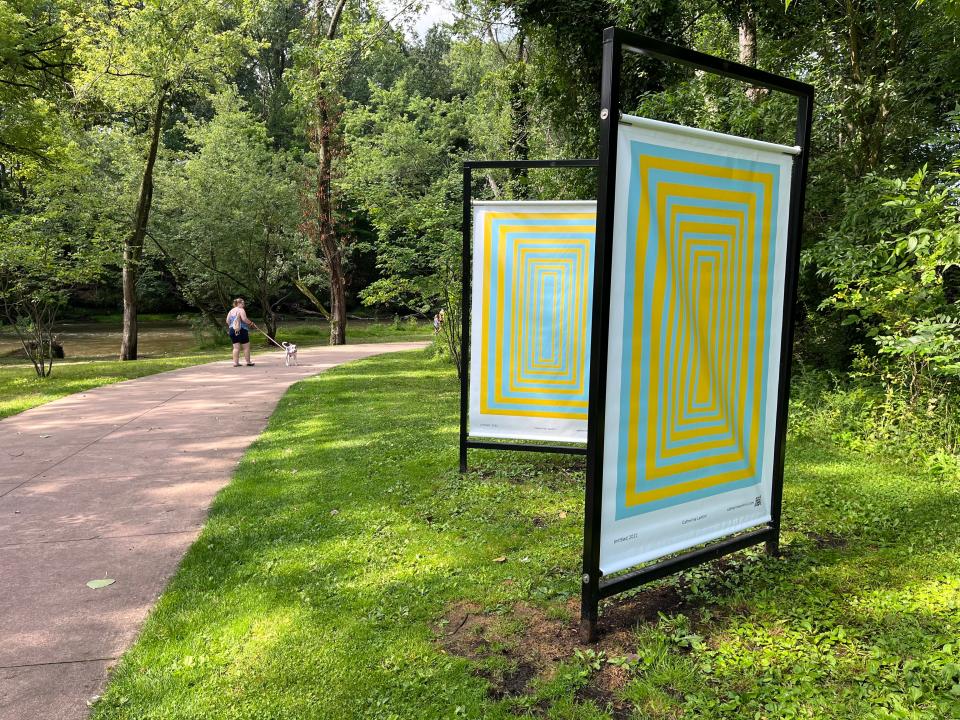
x=242, y=336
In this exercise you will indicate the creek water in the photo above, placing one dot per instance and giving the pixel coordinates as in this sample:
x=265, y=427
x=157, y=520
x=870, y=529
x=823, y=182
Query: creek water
x=89, y=340
x=156, y=338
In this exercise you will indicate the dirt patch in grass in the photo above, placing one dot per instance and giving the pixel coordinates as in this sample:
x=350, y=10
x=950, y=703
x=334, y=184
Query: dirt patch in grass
x=512, y=683
x=603, y=689
x=514, y=648
x=523, y=636
x=623, y=615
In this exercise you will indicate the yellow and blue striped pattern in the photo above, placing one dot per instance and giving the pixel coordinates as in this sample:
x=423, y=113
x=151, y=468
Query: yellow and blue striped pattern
x=535, y=331
x=701, y=232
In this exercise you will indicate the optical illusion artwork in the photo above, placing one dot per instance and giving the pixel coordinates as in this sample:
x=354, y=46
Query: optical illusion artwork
x=530, y=319
x=696, y=312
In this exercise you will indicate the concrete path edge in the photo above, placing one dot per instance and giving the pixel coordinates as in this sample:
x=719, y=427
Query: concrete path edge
x=116, y=482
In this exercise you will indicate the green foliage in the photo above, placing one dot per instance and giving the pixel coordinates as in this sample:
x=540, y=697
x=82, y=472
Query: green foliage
x=261, y=79
x=890, y=256
x=132, y=53
x=879, y=411
x=50, y=243
x=894, y=269
x=228, y=213
x=403, y=167
x=34, y=67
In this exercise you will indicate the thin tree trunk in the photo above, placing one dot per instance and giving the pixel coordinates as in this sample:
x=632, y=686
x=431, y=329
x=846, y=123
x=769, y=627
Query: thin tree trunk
x=308, y=293
x=493, y=186
x=747, y=32
x=133, y=247
x=518, y=105
x=326, y=119
x=269, y=315
x=326, y=235
x=338, y=301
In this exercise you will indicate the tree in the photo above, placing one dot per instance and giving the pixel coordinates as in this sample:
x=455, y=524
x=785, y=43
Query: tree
x=263, y=79
x=227, y=215
x=37, y=271
x=404, y=167
x=51, y=242
x=891, y=260
x=319, y=223
x=136, y=59
x=35, y=66
x=335, y=41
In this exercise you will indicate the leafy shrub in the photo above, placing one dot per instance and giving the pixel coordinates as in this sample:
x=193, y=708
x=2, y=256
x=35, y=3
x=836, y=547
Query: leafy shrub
x=893, y=266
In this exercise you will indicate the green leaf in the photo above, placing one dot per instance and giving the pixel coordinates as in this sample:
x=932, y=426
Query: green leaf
x=100, y=583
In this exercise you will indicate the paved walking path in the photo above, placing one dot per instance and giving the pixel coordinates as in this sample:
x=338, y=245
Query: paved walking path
x=115, y=482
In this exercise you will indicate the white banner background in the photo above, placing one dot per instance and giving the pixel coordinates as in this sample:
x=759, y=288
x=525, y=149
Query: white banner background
x=646, y=536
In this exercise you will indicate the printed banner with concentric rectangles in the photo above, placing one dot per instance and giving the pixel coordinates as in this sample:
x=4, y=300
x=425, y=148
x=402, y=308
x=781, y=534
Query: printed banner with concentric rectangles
x=698, y=264
x=530, y=319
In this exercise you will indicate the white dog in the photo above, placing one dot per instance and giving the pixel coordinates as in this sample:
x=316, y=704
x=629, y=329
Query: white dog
x=291, y=357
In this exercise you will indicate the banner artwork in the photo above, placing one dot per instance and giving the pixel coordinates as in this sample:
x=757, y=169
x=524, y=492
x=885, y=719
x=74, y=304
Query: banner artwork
x=530, y=319
x=698, y=266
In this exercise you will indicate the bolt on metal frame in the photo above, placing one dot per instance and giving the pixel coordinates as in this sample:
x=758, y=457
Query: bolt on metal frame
x=615, y=42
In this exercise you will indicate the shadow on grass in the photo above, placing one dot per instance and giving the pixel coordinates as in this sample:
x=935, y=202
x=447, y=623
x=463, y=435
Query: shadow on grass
x=318, y=585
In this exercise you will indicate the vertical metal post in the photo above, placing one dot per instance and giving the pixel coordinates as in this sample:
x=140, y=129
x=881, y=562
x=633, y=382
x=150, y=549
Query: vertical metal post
x=465, y=299
x=794, y=231
x=609, y=124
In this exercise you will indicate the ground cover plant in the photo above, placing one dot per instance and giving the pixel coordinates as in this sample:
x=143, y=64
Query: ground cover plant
x=349, y=571
x=21, y=389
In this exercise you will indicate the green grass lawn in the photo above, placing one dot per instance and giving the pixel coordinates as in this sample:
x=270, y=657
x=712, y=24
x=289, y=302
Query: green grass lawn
x=317, y=333
x=348, y=571
x=21, y=389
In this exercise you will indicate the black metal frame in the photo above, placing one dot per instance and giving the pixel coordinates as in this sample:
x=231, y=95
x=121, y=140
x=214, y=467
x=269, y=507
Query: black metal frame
x=466, y=299
x=615, y=41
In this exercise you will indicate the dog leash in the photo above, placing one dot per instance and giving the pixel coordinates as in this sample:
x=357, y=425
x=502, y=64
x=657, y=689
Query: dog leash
x=271, y=339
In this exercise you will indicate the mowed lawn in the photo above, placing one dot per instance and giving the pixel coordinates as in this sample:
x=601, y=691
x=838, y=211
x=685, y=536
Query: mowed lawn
x=21, y=389
x=348, y=571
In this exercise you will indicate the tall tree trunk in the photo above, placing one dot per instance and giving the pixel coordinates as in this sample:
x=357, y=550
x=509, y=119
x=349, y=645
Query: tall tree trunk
x=325, y=230
x=747, y=45
x=133, y=247
x=519, y=142
x=338, y=302
x=318, y=204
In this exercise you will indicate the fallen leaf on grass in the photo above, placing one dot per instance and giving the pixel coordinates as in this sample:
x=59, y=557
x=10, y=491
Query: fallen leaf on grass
x=501, y=559
x=101, y=583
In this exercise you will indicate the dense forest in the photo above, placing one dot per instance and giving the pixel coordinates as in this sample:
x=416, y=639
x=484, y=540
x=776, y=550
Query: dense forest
x=172, y=154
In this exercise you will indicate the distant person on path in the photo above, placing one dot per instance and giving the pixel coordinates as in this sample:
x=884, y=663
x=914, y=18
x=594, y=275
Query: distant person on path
x=238, y=325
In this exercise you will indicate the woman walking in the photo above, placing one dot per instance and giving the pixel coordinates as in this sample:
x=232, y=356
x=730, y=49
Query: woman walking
x=238, y=325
